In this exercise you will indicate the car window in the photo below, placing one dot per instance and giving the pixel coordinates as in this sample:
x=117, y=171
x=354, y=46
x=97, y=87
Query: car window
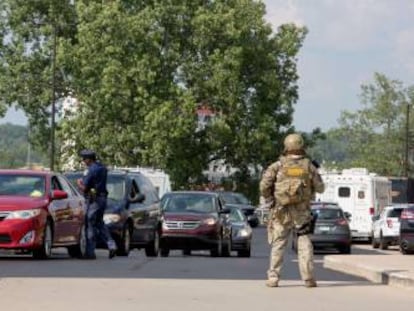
x=147, y=188
x=234, y=198
x=236, y=215
x=65, y=186
x=116, y=186
x=22, y=185
x=395, y=213
x=56, y=184
x=324, y=213
x=185, y=203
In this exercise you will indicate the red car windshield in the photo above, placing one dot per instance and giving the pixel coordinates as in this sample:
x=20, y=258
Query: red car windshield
x=22, y=185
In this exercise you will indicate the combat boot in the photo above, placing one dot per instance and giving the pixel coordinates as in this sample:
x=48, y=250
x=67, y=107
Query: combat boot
x=272, y=283
x=310, y=283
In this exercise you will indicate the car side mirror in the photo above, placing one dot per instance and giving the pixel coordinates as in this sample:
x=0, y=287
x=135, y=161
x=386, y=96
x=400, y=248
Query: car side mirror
x=225, y=210
x=59, y=195
x=348, y=215
x=139, y=198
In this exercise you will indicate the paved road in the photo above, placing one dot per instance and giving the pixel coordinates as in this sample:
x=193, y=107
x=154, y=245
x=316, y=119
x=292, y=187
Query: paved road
x=184, y=283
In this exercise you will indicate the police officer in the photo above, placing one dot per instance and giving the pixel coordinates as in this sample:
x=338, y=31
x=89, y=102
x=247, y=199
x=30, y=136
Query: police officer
x=93, y=185
x=287, y=186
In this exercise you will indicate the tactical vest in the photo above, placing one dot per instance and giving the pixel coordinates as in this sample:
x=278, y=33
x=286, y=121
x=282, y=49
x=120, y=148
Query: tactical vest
x=293, y=183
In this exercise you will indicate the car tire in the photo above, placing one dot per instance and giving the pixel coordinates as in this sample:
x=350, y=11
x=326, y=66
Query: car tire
x=345, y=249
x=79, y=250
x=246, y=253
x=187, y=252
x=164, y=252
x=216, y=251
x=374, y=242
x=382, y=244
x=153, y=248
x=44, y=251
x=124, y=243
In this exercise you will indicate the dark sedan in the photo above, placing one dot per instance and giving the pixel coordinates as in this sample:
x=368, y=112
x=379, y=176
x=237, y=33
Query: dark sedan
x=407, y=230
x=195, y=220
x=331, y=228
x=236, y=199
x=241, y=237
x=133, y=212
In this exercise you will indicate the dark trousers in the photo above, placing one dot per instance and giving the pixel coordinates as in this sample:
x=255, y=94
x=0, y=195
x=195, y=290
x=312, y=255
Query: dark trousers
x=95, y=226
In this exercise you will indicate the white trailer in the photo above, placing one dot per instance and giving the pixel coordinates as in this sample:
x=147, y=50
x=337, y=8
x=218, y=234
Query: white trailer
x=360, y=193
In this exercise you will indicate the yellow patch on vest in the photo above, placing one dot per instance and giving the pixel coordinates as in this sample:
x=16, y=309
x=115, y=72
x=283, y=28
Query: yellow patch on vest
x=295, y=171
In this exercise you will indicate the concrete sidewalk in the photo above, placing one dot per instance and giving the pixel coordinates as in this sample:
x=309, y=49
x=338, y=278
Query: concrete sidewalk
x=394, y=270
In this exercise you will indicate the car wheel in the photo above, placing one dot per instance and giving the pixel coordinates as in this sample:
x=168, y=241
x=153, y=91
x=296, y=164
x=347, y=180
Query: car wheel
x=226, y=251
x=244, y=253
x=164, y=252
x=45, y=250
x=79, y=250
x=124, y=244
x=374, y=242
x=153, y=248
x=345, y=249
x=217, y=249
x=382, y=243
x=187, y=252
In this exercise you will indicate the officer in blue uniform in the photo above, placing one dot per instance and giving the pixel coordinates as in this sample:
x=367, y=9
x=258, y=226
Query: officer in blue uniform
x=93, y=185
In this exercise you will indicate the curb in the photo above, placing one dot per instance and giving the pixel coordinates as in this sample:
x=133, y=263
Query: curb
x=396, y=278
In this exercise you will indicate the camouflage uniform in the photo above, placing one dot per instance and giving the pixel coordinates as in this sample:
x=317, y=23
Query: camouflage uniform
x=283, y=219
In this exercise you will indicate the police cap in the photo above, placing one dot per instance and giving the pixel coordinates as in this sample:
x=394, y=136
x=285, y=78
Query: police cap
x=87, y=154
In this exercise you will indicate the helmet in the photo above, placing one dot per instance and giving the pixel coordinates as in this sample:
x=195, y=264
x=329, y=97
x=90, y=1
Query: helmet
x=293, y=142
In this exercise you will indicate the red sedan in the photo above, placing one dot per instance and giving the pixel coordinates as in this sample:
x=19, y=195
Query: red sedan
x=40, y=210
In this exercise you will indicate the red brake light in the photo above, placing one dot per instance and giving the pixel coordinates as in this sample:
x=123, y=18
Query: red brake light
x=407, y=214
x=371, y=211
x=341, y=222
x=389, y=223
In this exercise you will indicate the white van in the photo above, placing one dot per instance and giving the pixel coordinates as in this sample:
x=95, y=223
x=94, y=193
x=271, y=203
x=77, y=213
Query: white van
x=360, y=193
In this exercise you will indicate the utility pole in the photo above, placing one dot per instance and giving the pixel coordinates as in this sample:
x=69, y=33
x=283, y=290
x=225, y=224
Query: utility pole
x=407, y=140
x=52, y=125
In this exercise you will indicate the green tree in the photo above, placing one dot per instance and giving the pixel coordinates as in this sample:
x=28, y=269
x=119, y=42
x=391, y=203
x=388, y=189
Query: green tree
x=141, y=69
x=375, y=135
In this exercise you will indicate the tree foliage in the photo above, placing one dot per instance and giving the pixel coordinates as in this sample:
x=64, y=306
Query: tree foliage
x=374, y=136
x=141, y=69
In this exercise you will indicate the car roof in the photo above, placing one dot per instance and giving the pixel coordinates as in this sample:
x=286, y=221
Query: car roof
x=331, y=205
x=212, y=193
x=26, y=172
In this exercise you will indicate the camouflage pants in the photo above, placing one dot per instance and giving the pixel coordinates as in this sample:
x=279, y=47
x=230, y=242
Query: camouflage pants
x=280, y=225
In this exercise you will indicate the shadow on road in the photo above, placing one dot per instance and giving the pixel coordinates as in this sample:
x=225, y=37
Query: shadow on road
x=197, y=266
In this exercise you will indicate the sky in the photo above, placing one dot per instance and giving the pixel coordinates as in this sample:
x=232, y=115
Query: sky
x=348, y=41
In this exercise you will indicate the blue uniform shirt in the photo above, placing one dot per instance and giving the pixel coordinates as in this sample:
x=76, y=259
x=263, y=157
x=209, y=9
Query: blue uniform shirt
x=96, y=178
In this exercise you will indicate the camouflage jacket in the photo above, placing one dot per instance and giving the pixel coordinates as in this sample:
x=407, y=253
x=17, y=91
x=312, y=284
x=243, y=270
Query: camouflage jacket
x=269, y=178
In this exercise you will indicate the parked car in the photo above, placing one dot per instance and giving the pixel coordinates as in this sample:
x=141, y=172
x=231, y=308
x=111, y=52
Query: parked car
x=331, y=228
x=133, y=212
x=239, y=200
x=40, y=210
x=241, y=237
x=195, y=220
x=407, y=230
x=386, y=226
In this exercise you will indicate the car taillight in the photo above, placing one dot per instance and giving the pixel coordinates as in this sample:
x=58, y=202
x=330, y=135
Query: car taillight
x=389, y=223
x=341, y=222
x=371, y=211
x=407, y=214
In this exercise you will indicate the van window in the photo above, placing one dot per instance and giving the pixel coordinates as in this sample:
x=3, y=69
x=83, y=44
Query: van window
x=344, y=192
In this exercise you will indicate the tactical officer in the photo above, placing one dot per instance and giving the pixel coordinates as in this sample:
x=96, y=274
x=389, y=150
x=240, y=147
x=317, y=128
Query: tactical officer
x=287, y=187
x=93, y=185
